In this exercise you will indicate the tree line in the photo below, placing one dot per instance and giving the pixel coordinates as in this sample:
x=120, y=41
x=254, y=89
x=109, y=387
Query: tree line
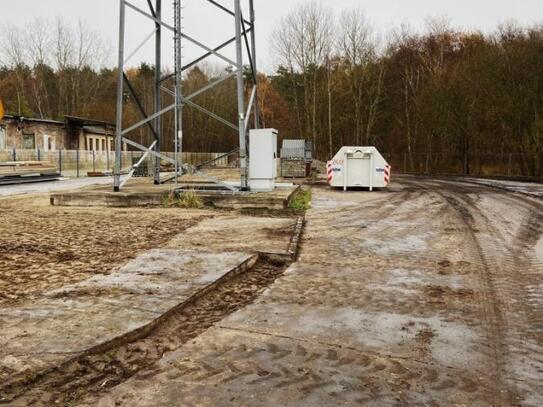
x=441, y=100
x=444, y=100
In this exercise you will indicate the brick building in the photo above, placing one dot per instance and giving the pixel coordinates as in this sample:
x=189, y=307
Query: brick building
x=74, y=133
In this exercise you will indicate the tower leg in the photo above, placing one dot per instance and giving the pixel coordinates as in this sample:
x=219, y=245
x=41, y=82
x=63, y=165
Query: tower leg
x=241, y=100
x=120, y=90
x=158, y=101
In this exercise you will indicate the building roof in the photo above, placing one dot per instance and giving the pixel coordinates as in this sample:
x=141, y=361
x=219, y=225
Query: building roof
x=31, y=119
x=90, y=125
x=97, y=130
x=81, y=121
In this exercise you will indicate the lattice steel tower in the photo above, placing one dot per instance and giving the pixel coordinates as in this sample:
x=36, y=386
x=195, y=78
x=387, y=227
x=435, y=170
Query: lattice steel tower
x=244, y=36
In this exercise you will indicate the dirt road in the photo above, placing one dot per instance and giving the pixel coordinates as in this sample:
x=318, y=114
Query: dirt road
x=430, y=293
x=504, y=237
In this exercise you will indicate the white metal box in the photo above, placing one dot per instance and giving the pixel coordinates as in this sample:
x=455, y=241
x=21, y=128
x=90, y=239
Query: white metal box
x=358, y=167
x=262, y=159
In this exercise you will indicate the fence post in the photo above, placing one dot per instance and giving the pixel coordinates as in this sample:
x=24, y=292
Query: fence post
x=93, y=161
x=14, y=154
x=60, y=161
x=77, y=162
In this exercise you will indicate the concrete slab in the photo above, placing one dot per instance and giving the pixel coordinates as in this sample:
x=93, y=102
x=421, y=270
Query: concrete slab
x=108, y=199
x=69, y=321
x=239, y=233
x=151, y=195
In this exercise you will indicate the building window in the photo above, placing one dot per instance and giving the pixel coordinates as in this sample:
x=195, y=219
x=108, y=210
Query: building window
x=29, y=141
x=49, y=143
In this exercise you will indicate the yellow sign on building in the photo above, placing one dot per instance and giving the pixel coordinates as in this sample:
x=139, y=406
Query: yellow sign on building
x=1, y=110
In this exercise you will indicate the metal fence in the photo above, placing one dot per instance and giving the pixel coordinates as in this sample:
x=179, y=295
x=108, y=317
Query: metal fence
x=77, y=163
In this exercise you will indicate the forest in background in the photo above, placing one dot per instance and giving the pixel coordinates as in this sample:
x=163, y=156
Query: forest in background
x=442, y=100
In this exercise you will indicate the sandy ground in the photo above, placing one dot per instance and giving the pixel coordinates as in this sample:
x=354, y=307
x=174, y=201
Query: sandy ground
x=79, y=285
x=45, y=247
x=429, y=294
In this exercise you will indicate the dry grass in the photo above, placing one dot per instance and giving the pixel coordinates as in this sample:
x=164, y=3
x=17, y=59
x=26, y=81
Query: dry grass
x=187, y=200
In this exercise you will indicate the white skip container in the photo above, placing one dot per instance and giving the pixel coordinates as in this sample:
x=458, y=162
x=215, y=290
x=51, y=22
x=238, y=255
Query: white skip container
x=358, y=167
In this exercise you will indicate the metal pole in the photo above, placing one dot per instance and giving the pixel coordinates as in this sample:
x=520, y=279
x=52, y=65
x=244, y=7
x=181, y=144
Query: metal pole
x=60, y=161
x=253, y=52
x=158, y=101
x=77, y=162
x=178, y=90
x=120, y=89
x=241, y=101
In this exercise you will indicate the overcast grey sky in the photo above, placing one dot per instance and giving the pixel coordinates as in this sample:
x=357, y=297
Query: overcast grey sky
x=202, y=21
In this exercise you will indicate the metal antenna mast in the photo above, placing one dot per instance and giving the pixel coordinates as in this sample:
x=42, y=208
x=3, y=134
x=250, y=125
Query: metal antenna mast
x=244, y=46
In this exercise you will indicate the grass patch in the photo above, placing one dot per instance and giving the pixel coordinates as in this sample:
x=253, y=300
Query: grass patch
x=301, y=201
x=169, y=200
x=190, y=200
x=187, y=200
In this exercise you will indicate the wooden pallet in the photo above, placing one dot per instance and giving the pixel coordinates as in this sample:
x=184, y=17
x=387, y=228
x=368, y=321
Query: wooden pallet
x=26, y=168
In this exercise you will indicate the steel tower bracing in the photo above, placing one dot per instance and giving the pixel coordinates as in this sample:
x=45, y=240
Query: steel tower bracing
x=244, y=38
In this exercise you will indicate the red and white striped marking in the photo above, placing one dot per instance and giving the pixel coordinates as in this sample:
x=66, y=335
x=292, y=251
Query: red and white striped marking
x=388, y=170
x=330, y=171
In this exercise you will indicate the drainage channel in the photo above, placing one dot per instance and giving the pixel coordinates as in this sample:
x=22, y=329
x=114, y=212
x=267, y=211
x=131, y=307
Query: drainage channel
x=91, y=374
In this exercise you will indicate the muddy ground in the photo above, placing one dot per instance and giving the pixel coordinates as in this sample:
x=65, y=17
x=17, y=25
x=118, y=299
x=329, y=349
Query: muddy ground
x=428, y=293
x=44, y=247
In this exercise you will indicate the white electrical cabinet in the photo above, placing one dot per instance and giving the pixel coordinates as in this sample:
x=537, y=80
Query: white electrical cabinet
x=262, y=159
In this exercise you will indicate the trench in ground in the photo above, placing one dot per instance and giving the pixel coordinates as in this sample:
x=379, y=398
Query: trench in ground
x=89, y=375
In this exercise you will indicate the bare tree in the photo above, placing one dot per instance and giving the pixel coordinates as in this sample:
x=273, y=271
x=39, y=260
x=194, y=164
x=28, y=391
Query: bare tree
x=38, y=41
x=357, y=45
x=303, y=42
x=13, y=54
x=38, y=45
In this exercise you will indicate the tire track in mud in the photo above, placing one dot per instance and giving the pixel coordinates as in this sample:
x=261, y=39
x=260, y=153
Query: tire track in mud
x=89, y=375
x=513, y=280
x=489, y=307
x=519, y=284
